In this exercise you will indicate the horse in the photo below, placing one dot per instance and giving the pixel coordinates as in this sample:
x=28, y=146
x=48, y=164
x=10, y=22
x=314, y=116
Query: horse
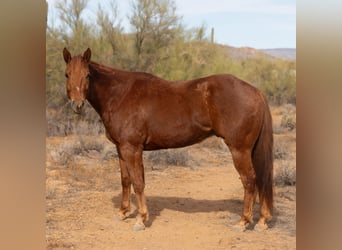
x=141, y=112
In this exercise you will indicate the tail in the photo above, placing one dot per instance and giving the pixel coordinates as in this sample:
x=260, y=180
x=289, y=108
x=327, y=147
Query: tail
x=262, y=158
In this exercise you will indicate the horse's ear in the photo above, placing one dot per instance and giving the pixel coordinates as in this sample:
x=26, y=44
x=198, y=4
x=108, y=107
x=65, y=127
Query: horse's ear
x=66, y=55
x=87, y=55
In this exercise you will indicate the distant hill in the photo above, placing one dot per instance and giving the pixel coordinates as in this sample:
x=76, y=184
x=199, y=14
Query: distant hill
x=288, y=54
x=247, y=52
x=243, y=52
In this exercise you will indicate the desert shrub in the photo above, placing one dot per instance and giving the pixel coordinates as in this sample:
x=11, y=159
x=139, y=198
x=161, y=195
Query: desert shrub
x=276, y=78
x=280, y=150
x=110, y=154
x=280, y=87
x=214, y=143
x=277, y=129
x=64, y=153
x=288, y=121
x=89, y=145
x=285, y=175
x=174, y=157
x=64, y=122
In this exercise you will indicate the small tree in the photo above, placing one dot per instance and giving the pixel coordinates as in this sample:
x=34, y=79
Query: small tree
x=76, y=34
x=111, y=31
x=155, y=24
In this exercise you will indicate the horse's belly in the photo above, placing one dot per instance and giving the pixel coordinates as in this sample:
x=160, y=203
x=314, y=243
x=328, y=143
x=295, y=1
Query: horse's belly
x=171, y=138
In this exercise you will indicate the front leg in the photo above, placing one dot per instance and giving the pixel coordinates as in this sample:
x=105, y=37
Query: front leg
x=131, y=156
x=126, y=185
x=126, y=192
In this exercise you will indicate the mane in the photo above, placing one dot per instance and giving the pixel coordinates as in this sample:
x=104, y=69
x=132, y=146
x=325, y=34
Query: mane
x=110, y=70
x=103, y=68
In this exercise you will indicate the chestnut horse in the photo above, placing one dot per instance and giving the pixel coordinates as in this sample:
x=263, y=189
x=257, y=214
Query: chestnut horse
x=143, y=112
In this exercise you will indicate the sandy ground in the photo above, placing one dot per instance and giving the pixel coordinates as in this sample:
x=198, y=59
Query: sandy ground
x=191, y=207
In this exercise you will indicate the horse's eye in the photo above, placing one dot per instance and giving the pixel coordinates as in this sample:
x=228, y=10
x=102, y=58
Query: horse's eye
x=66, y=75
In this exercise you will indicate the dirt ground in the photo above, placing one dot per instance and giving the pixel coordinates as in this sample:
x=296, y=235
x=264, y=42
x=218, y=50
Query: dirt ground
x=193, y=202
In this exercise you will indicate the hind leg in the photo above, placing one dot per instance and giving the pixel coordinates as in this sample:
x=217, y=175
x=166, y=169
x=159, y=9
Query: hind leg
x=243, y=164
x=265, y=215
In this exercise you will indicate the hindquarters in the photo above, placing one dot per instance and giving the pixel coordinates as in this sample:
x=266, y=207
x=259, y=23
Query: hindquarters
x=236, y=110
x=240, y=115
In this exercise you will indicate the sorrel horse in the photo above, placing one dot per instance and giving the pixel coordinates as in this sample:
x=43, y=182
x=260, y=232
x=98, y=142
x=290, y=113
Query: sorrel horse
x=143, y=112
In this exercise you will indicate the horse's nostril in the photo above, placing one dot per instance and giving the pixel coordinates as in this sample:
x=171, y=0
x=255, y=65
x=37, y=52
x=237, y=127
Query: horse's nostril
x=80, y=105
x=77, y=106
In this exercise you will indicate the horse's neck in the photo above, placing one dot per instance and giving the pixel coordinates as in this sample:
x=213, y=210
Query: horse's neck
x=106, y=88
x=101, y=68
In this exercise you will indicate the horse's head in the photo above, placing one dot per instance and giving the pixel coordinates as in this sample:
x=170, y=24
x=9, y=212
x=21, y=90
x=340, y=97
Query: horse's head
x=77, y=75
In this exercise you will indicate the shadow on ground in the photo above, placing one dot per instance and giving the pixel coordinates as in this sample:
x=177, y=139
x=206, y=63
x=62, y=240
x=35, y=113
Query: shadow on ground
x=157, y=204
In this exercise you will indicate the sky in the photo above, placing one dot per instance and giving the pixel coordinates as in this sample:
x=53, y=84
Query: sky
x=260, y=24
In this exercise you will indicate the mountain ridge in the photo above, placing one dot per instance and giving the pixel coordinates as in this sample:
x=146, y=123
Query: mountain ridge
x=248, y=52
x=283, y=53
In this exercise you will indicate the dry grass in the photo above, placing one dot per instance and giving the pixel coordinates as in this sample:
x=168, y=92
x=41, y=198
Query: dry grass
x=56, y=244
x=64, y=122
x=280, y=149
x=288, y=121
x=284, y=119
x=81, y=162
x=284, y=151
x=168, y=157
x=285, y=174
x=284, y=160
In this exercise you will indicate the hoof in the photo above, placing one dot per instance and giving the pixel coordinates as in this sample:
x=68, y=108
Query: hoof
x=139, y=227
x=119, y=217
x=239, y=227
x=260, y=227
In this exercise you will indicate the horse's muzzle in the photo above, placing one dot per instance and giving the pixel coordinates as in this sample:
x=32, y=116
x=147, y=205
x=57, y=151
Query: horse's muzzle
x=77, y=106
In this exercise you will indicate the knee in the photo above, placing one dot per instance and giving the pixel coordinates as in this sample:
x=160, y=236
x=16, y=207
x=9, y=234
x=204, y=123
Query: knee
x=249, y=183
x=125, y=181
x=139, y=187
